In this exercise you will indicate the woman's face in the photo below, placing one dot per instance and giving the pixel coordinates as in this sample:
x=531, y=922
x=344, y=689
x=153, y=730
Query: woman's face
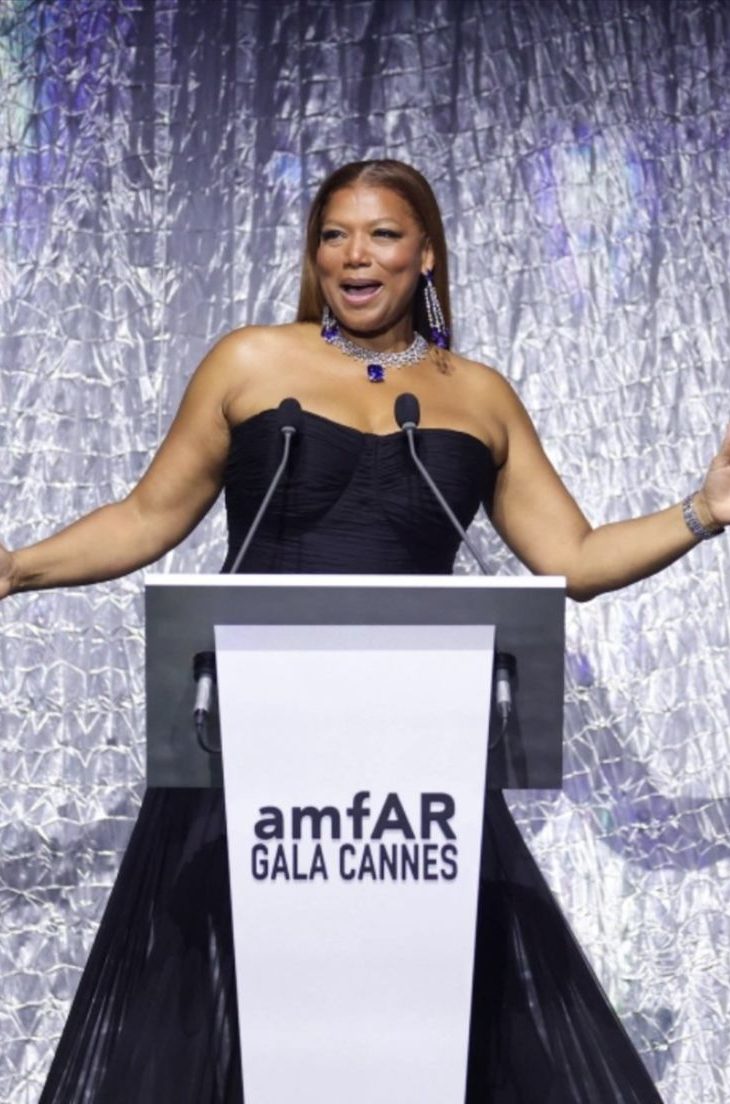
x=371, y=253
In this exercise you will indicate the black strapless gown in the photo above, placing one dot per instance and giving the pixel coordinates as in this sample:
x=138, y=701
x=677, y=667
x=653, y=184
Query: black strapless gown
x=154, y=1018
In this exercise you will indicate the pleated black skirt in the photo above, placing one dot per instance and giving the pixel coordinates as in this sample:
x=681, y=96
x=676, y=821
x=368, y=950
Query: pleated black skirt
x=154, y=1019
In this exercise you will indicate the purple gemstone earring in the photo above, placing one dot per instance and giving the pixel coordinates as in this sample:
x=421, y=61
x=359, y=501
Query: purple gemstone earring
x=330, y=329
x=434, y=313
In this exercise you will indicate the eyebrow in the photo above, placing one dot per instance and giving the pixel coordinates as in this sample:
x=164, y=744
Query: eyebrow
x=372, y=222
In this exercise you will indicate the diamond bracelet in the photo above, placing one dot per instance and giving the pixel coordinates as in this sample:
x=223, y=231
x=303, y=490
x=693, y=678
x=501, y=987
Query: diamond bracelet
x=693, y=523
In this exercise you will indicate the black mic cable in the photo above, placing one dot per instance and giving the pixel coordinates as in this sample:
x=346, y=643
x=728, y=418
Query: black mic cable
x=408, y=415
x=204, y=673
x=505, y=669
x=288, y=420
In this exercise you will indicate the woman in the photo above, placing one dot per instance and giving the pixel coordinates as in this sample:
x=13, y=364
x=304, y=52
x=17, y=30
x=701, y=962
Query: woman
x=155, y=1017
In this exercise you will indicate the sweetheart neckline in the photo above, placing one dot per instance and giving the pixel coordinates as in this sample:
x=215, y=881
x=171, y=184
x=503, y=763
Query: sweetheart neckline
x=369, y=433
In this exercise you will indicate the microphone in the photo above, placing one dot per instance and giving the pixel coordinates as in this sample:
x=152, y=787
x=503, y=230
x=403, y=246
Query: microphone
x=288, y=421
x=407, y=411
x=408, y=414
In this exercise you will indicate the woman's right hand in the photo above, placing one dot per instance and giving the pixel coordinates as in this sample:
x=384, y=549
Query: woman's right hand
x=6, y=570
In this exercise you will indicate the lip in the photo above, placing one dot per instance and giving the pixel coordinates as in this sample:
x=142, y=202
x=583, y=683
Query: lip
x=360, y=293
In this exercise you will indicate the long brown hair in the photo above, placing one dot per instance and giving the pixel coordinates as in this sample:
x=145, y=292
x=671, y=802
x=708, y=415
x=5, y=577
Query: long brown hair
x=417, y=192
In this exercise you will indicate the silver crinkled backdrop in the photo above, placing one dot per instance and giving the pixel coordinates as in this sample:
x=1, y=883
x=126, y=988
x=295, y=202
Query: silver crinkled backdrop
x=155, y=163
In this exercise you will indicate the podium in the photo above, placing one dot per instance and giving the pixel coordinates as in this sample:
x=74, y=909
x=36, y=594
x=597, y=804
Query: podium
x=358, y=741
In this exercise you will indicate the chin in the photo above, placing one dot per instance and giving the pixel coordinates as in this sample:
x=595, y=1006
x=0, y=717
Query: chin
x=362, y=319
x=366, y=327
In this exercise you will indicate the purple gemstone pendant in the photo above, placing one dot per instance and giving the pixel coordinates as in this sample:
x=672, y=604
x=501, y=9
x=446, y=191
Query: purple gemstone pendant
x=376, y=373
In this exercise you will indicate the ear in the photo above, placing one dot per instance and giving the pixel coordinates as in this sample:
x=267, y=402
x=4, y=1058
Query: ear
x=427, y=257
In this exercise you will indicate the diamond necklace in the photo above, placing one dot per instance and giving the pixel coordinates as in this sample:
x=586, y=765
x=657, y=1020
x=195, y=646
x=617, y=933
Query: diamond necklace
x=376, y=362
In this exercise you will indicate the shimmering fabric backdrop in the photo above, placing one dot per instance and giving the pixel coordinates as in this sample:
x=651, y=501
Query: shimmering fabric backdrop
x=156, y=157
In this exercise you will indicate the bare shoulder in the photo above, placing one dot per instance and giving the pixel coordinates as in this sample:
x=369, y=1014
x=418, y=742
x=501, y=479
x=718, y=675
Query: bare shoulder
x=486, y=384
x=248, y=344
x=250, y=368
x=245, y=355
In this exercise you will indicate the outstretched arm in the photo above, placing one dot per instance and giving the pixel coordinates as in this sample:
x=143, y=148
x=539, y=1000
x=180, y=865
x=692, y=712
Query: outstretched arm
x=179, y=487
x=542, y=524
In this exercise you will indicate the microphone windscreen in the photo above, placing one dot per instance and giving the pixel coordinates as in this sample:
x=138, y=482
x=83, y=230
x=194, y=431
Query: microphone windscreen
x=407, y=410
x=289, y=414
x=203, y=664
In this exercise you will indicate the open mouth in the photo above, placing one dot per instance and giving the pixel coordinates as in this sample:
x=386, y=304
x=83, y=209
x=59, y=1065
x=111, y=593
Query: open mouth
x=360, y=291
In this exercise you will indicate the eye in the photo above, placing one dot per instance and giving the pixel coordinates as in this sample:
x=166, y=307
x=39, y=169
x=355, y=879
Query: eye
x=329, y=235
x=382, y=232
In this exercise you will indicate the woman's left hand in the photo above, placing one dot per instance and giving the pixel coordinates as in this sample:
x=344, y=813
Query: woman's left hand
x=713, y=498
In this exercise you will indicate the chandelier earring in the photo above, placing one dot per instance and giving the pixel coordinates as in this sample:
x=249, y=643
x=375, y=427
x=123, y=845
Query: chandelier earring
x=434, y=312
x=330, y=329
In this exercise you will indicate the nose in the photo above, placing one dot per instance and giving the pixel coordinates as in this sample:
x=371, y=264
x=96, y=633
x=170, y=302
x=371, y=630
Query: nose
x=356, y=251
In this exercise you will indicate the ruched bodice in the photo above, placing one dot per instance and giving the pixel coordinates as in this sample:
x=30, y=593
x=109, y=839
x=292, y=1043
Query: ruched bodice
x=352, y=501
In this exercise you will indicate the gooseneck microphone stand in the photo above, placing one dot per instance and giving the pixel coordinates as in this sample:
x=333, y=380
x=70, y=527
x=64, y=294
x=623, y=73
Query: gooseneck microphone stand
x=408, y=414
x=288, y=420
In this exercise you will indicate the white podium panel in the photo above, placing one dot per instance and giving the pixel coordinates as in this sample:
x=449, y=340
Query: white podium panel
x=354, y=763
